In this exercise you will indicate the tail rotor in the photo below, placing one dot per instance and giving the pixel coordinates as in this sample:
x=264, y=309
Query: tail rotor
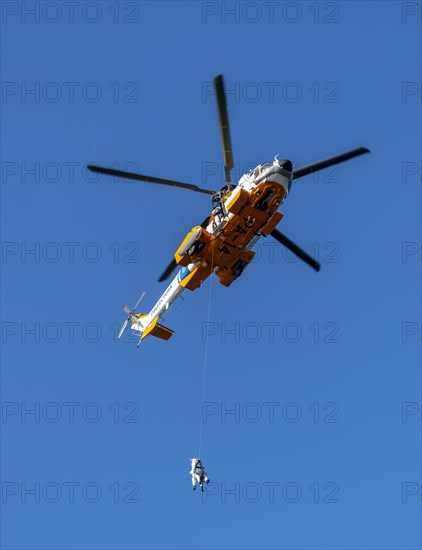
x=130, y=315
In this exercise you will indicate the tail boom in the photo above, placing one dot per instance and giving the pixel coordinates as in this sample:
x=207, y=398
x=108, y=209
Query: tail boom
x=147, y=324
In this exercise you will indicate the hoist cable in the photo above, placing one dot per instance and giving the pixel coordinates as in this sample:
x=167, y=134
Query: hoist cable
x=204, y=374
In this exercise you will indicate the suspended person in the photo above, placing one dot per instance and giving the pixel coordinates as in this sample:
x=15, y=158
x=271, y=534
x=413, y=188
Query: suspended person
x=199, y=475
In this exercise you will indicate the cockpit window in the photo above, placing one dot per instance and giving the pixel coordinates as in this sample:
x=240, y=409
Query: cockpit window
x=256, y=171
x=261, y=168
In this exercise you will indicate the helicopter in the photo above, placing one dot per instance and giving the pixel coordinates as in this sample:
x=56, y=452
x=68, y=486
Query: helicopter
x=241, y=214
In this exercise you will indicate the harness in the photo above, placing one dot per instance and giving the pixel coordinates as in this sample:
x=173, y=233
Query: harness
x=198, y=469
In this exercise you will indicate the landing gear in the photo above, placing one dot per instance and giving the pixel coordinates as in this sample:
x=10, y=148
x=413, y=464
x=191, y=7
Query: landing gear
x=238, y=268
x=262, y=204
x=195, y=248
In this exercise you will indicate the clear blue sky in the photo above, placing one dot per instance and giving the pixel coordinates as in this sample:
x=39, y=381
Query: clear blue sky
x=322, y=369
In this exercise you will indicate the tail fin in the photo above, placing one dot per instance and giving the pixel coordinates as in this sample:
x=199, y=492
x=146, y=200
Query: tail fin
x=157, y=330
x=151, y=328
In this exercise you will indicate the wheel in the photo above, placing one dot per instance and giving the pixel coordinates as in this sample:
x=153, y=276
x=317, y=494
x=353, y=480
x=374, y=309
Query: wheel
x=195, y=248
x=238, y=268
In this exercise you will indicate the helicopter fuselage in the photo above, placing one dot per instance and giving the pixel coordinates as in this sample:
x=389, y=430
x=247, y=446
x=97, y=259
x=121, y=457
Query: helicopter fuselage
x=241, y=216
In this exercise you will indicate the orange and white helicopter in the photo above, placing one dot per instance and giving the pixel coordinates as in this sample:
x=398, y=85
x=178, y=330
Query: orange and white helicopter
x=223, y=243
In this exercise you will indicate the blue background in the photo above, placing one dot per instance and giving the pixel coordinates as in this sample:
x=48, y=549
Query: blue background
x=366, y=50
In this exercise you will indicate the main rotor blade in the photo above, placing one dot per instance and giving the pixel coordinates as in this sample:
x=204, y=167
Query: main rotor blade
x=172, y=265
x=206, y=222
x=168, y=271
x=121, y=331
x=281, y=238
x=224, y=125
x=329, y=162
x=148, y=179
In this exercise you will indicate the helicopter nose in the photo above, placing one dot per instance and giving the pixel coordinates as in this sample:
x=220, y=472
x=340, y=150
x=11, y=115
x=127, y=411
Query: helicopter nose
x=286, y=165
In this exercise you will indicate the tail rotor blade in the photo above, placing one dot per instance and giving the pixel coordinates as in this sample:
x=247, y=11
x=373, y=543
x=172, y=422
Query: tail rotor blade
x=127, y=310
x=140, y=298
x=121, y=331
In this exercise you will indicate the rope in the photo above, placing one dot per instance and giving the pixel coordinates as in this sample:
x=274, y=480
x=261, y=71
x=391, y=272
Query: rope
x=204, y=374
